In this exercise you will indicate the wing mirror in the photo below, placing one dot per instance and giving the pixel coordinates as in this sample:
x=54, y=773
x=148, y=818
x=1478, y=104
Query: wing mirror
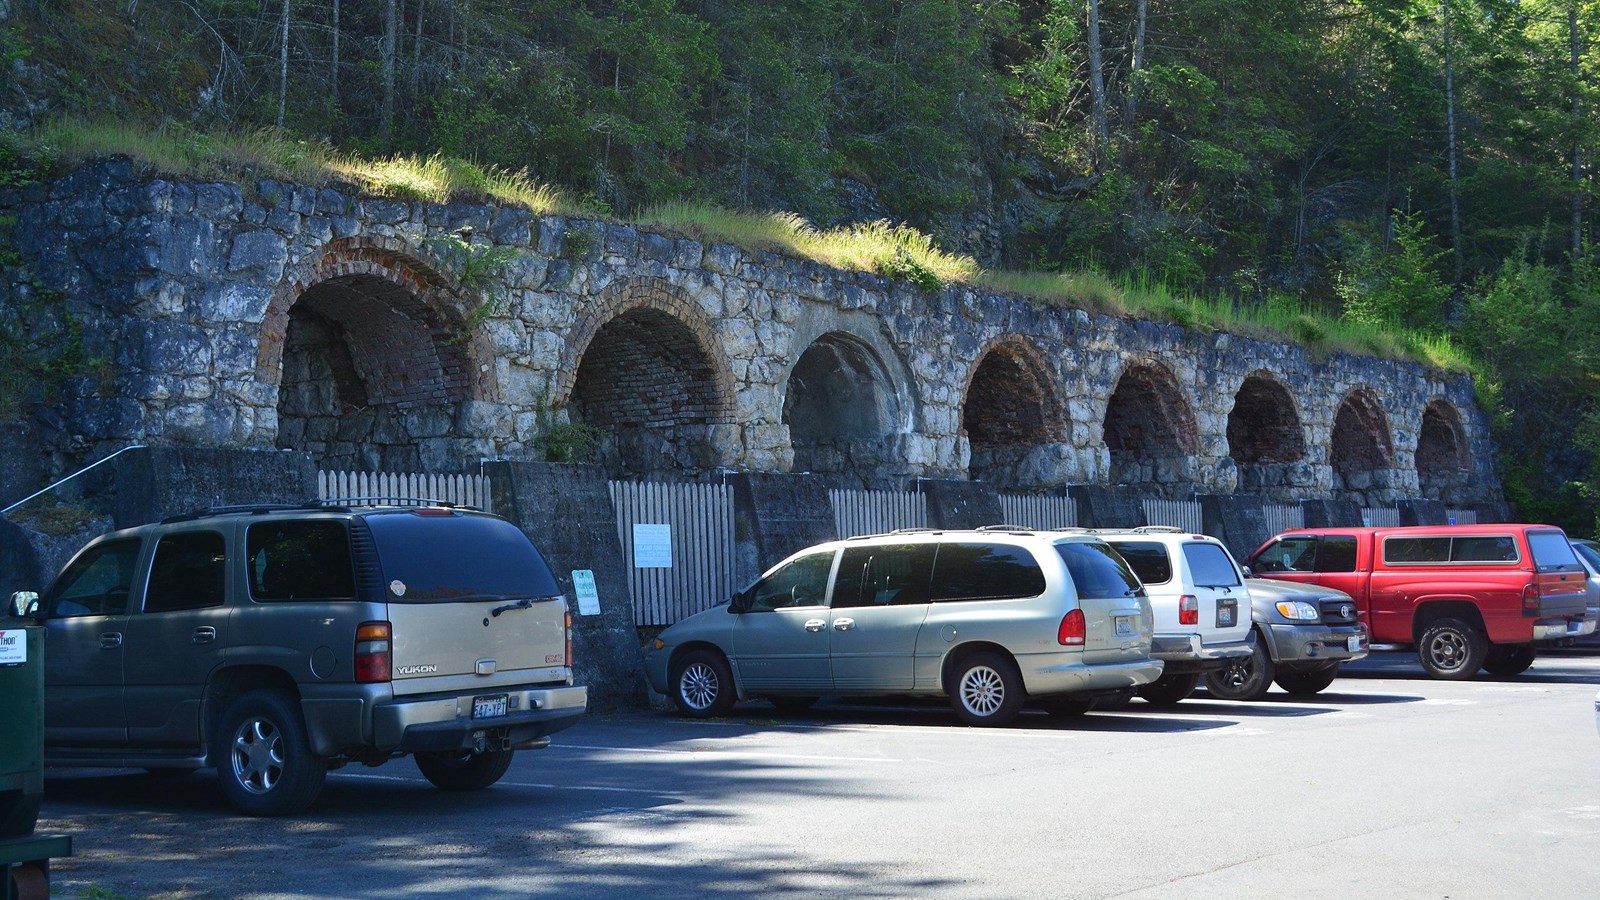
x=25, y=604
x=739, y=602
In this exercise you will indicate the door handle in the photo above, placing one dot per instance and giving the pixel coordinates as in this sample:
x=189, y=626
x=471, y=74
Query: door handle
x=205, y=634
x=814, y=624
x=843, y=624
x=110, y=640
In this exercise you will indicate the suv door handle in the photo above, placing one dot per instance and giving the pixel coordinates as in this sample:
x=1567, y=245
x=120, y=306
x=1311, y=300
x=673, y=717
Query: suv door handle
x=814, y=624
x=205, y=634
x=843, y=624
x=110, y=640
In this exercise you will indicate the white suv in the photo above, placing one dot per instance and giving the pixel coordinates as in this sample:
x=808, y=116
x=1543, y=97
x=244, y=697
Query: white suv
x=1201, y=604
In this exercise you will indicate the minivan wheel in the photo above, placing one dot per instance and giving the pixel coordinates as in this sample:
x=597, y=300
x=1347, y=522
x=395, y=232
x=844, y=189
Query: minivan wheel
x=1508, y=659
x=1306, y=682
x=264, y=760
x=1169, y=690
x=702, y=685
x=463, y=770
x=987, y=690
x=1247, y=678
x=1452, y=649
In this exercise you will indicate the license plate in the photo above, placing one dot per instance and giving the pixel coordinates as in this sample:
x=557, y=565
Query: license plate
x=1352, y=643
x=489, y=707
x=1124, y=625
x=1225, y=616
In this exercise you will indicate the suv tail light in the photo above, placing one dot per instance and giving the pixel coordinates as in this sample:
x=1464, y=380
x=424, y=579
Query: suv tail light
x=569, y=638
x=374, y=659
x=1188, y=610
x=1072, y=630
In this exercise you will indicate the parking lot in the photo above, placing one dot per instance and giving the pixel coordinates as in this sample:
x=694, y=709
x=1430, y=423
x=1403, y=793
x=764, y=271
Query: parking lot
x=1389, y=784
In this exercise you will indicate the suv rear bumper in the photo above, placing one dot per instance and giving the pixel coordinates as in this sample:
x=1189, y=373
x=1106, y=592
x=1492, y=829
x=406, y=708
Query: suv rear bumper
x=1314, y=643
x=1185, y=653
x=443, y=722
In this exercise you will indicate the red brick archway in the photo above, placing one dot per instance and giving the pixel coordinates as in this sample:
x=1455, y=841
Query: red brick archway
x=1149, y=426
x=1441, y=442
x=839, y=404
x=1361, y=439
x=1010, y=406
x=1263, y=426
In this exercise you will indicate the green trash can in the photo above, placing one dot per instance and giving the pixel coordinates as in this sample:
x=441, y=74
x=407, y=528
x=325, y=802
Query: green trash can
x=22, y=740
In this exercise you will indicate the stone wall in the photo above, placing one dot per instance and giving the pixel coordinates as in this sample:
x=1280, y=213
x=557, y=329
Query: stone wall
x=273, y=315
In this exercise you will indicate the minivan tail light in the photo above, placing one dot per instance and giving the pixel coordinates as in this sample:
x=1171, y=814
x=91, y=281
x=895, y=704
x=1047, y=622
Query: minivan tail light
x=1072, y=630
x=1188, y=610
x=374, y=658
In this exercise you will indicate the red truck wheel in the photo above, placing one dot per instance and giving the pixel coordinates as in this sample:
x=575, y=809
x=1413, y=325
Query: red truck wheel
x=1452, y=649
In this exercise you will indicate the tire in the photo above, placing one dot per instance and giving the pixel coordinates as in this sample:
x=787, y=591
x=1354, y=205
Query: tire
x=1452, y=649
x=1306, y=682
x=263, y=757
x=702, y=685
x=1508, y=659
x=987, y=690
x=1244, y=679
x=1067, y=707
x=1169, y=690
x=462, y=770
x=791, y=704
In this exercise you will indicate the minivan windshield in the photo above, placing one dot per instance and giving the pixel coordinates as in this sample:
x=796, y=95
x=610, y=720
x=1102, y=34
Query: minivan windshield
x=429, y=556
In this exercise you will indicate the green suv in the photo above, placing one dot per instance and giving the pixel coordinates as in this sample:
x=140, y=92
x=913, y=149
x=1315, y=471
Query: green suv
x=275, y=643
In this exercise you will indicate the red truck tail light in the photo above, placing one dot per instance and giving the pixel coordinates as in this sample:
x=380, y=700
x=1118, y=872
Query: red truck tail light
x=569, y=638
x=1188, y=610
x=1073, y=630
x=1530, y=597
x=374, y=657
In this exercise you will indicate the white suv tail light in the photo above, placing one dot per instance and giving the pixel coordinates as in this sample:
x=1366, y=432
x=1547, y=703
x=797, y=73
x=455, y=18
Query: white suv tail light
x=1188, y=610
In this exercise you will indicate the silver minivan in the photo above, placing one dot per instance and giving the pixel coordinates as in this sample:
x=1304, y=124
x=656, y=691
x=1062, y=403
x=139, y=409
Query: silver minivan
x=988, y=618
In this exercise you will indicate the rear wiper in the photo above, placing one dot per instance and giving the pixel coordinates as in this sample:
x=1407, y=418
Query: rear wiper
x=524, y=603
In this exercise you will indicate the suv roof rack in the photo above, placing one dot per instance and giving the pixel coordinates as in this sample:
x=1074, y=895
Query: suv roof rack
x=1028, y=528
x=254, y=509
x=391, y=501
x=1158, y=529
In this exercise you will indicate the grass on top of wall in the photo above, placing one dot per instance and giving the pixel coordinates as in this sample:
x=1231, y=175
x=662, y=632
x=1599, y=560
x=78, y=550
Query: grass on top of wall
x=891, y=250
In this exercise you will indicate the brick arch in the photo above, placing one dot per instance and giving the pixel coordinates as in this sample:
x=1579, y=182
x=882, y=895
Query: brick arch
x=1361, y=440
x=671, y=307
x=1149, y=427
x=393, y=289
x=840, y=402
x=1264, y=425
x=1010, y=406
x=1441, y=441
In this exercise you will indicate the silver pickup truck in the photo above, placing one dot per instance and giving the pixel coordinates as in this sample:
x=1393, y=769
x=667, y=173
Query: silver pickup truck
x=275, y=643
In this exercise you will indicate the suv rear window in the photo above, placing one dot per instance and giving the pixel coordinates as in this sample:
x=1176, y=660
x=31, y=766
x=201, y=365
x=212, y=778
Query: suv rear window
x=1148, y=560
x=981, y=571
x=433, y=556
x=1210, y=565
x=1097, y=571
x=1551, y=551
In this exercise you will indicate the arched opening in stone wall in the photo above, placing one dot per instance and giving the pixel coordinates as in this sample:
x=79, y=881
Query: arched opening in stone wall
x=1265, y=437
x=840, y=405
x=1010, y=412
x=648, y=383
x=1442, y=459
x=1150, y=430
x=1362, y=451
x=371, y=378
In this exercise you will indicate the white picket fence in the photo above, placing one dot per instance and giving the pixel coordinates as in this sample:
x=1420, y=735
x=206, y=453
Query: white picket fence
x=1041, y=511
x=1462, y=516
x=1184, y=514
x=1283, y=517
x=1380, y=516
x=877, y=512
x=693, y=569
x=402, y=488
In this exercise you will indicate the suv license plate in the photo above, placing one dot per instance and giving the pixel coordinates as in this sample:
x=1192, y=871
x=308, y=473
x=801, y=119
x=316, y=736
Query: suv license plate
x=1352, y=643
x=1124, y=625
x=489, y=707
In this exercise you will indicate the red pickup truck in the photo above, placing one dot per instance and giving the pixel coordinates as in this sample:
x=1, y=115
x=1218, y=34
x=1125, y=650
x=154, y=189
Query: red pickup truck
x=1465, y=596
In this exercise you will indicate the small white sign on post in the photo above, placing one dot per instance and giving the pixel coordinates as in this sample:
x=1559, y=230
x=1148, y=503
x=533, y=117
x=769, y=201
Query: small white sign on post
x=13, y=647
x=652, y=546
x=588, y=597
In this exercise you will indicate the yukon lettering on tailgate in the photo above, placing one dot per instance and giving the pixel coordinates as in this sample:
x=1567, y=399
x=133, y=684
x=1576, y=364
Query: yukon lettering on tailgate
x=418, y=670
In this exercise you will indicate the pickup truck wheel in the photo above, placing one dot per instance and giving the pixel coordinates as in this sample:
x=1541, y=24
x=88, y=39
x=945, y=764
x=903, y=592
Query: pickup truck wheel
x=987, y=690
x=1306, y=682
x=1169, y=690
x=1508, y=659
x=263, y=757
x=1244, y=679
x=463, y=770
x=1452, y=649
x=702, y=685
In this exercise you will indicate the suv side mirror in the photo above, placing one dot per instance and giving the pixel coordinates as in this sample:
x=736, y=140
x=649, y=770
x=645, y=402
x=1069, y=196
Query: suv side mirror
x=25, y=604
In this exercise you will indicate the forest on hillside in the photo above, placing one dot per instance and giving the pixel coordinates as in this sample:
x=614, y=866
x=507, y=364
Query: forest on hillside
x=1421, y=164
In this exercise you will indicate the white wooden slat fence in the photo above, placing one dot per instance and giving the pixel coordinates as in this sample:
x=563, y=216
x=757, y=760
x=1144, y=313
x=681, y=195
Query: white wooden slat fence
x=1462, y=516
x=399, y=488
x=1380, y=516
x=877, y=512
x=1040, y=511
x=1283, y=517
x=1184, y=514
x=700, y=519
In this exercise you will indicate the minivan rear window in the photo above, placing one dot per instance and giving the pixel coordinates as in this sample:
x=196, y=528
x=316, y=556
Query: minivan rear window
x=1551, y=551
x=1097, y=571
x=457, y=557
